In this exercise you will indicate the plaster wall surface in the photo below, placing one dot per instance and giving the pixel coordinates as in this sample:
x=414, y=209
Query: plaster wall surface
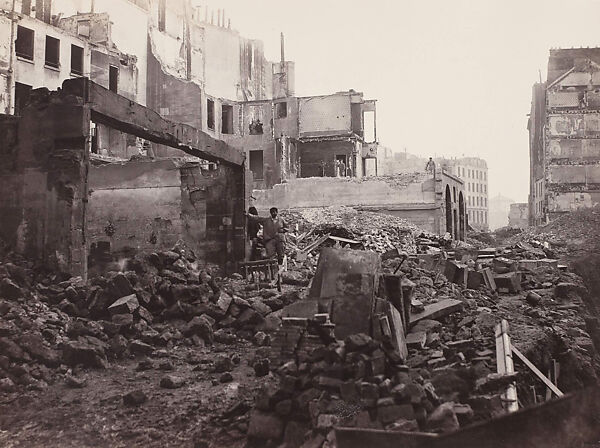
x=222, y=69
x=559, y=202
x=325, y=192
x=130, y=35
x=325, y=115
x=574, y=149
x=573, y=174
x=135, y=206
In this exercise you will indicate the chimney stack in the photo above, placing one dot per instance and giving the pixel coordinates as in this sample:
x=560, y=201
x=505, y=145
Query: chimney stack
x=282, y=52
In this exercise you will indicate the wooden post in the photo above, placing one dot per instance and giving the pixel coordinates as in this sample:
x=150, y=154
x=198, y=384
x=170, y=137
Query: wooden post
x=505, y=364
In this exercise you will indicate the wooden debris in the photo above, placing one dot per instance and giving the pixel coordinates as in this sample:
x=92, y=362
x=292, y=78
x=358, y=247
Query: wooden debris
x=505, y=364
x=537, y=372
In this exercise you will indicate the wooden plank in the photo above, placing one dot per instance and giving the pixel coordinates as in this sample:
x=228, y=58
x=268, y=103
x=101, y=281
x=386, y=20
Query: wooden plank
x=127, y=116
x=505, y=364
x=397, y=329
x=437, y=310
x=537, y=372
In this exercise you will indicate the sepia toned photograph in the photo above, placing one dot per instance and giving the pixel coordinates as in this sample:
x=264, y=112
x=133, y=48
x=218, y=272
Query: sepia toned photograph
x=315, y=224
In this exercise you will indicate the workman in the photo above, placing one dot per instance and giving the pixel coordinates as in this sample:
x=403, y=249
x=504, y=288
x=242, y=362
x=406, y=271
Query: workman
x=274, y=229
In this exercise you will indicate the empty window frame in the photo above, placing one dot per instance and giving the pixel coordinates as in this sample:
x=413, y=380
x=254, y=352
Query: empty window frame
x=113, y=78
x=76, y=60
x=256, y=164
x=52, y=52
x=24, y=43
x=281, y=110
x=210, y=114
x=226, y=119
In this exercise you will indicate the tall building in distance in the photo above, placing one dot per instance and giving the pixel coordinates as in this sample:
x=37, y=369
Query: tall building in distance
x=564, y=135
x=474, y=172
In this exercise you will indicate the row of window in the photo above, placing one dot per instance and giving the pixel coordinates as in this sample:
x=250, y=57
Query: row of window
x=477, y=201
x=477, y=217
x=25, y=45
x=476, y=187
x=227, y=111
x=475, y=174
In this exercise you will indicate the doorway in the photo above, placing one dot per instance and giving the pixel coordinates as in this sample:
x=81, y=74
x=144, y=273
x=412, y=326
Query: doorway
x=341, y=165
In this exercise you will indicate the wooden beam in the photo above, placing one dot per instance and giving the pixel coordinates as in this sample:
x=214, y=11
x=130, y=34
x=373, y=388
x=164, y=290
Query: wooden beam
x=130, y=117
x=537, y=372
x=505, y=364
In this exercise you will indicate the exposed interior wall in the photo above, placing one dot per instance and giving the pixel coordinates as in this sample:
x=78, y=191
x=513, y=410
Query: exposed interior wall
x=129, y=33
x=148, y=205
x=42, y=171
x=325, y=115
x=317, y=158
x=135, y=206
x=172, y=97
x=572, y=135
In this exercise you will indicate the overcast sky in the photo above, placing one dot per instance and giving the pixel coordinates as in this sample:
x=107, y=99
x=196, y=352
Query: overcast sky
x=450, y=77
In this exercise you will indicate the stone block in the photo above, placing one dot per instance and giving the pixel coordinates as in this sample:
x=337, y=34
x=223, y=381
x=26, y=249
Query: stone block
x=509, y=282
x=416, y=340
x=124, y=305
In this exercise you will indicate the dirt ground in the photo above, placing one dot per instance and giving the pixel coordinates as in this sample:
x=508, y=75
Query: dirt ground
x=96, y=416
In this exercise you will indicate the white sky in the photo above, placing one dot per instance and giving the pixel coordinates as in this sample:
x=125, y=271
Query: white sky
x=451, y=77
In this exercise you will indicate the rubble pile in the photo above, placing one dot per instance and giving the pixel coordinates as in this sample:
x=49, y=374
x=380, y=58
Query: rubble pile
x=449, y=378
x=374, y=231
x=50, y=327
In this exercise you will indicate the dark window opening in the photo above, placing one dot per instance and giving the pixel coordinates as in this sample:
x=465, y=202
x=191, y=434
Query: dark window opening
x=281, y=110
x=24, y=43
x=256, y=164
x=210, y=114
x=76, y=60
x=52, y=52
x=227, y=119
x=162, y=6
x=113, y=78
x=255, y=127
x=22, y=93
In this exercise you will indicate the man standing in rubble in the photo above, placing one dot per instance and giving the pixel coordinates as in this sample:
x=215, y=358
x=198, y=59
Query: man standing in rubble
x=274, y=229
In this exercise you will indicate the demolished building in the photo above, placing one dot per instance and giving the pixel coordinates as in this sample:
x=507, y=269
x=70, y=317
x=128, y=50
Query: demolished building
x=564, y=135
x=433, y=201
x=71, y=209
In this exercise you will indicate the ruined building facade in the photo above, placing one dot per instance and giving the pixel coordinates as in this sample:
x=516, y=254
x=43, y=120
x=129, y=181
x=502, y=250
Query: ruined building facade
x=188, y=65
x=564, y=135
x=474, y=172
